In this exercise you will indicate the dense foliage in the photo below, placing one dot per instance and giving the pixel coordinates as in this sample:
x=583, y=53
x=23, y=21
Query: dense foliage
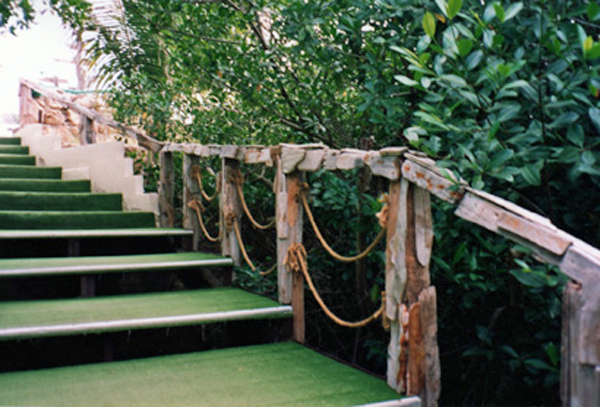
x=504, y=93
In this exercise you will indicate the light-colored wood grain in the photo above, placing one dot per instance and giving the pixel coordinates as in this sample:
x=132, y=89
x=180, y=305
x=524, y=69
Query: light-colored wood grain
x=330, y=161
x=432, y=181
x=166, y=190
x=350, y=159
x=395, y=267
x=432, y=368
x=290, y=158
x=423, y=226
x=191, y=192
x=231, y=210
x=229, y=151
x=312, y=160
x=383, y=166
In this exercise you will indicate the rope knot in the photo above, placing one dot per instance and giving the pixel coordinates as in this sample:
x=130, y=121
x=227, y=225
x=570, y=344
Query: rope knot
x=383, y=214
x=295, y=258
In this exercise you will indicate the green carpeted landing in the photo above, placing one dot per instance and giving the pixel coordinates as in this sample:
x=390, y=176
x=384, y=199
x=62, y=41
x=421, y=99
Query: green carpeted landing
x=48, y=201
x=108, y=264
x=75, y=220
x=40, y=318
x=93, y=233
x=44, y=185
x=283, y=374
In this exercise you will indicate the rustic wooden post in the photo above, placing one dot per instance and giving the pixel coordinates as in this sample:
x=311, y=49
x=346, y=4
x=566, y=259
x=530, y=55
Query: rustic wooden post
x=87, y=133
x=191, y=192
x=580, y=369
x=413, y=358
x=166, y=194
x=289, y=232
x=231, y=207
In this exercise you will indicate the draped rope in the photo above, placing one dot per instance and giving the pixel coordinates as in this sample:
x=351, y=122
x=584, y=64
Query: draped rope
x=197, y=174
x=328, y=248
x=296, y=261
x=197, y=206
x=239, y=181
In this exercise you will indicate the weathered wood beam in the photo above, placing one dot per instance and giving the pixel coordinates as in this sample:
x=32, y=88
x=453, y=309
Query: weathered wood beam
x=231, y=210
x=424, y=174
x=166, y=190
x=191, y=193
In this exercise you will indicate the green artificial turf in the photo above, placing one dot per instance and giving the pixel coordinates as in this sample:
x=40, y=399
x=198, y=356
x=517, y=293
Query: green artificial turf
x=27, y=171
x=45, y=314
x=44, y=185
x=75, y=220
x=14, y=149
x=283, y=374
x=10, y=141
x=15, y=159
x=109, y=264
x=47, y=201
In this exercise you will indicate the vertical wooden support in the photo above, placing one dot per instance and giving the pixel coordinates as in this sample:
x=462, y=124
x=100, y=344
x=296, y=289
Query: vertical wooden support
x=166, y=191
x=87, y=133
x=231, y=209
x=191, y=192
x=413, y=356
x=28, y=114
x=289, y=232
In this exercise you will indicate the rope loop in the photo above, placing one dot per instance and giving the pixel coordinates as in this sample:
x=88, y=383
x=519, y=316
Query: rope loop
x=296, y=261
x=304, y=189
x=238, y=180
x=199, y=208
x=197, y=174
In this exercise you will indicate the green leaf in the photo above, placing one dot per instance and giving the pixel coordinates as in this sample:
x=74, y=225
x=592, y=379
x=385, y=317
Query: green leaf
x=531, y=174
x=594, y=114
x=576, y=135
x=564, y=120
x=454, y=7
x=443, y=6
x=499, y=12
x=539, y=364
x=594, y=51
x=529, y=278
x=405, y=80
x=474, y=60
x=465, y=46
x=513, y=10
x=455, y=80
x=582, y=36
x=593, y=11
x=429, y=24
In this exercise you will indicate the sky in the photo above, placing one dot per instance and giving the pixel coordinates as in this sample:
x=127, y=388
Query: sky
x=42, y=51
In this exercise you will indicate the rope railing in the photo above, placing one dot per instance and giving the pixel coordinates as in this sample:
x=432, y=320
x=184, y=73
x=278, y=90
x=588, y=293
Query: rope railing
x=197, y=174
x=328, y=248
x=296, y=261
x=239, y=182
x=199, y=208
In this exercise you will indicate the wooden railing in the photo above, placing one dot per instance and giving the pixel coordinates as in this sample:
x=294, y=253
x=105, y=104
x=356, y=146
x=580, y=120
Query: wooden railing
x=410, y=301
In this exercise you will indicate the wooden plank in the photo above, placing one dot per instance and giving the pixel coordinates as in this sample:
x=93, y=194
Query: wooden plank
x=432, y=369
x=252, y=155
x=418, y=277
x=191, y=192
x=416, y=353
x=533, y=232
x=229, y=151
x=433, y=182
x=349, y=160
x=231, y=210
x=383, y=166
x=393, y=151
x=330, y=161
x=395, y=266
x=423, y=226
x=166, y=190
x=290, y=158
x=397, y=358
x=312, y=160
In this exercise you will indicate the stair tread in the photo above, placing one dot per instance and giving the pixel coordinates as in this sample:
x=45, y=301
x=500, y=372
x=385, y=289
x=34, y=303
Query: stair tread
x=42, y=318
x=282, y=374
x=40, y=184
x=12, y=141
x=59, y=201
x=28, y=171
x=16, y=159
x=108, y=264
x=14, y=149
x=37, y=220
x=92, y=233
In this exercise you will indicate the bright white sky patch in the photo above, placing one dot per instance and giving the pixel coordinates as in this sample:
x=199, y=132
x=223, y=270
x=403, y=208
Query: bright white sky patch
x=42, y=51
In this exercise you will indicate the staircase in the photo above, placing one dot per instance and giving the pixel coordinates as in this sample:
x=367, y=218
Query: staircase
x=98, y=307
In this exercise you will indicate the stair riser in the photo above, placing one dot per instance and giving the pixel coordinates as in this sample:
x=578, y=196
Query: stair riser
x=75, y=220
x=59, y=202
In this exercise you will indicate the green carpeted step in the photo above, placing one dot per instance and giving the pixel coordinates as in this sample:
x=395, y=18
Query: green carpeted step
x=58, y=201
x=15, y=220
x=281, y=374
x=42, y=318
x=44, y=185
x=12, y=149
x=109, y=264
x=13, y=141
x=27, y=171
x=15, y=159
x=94, y=233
